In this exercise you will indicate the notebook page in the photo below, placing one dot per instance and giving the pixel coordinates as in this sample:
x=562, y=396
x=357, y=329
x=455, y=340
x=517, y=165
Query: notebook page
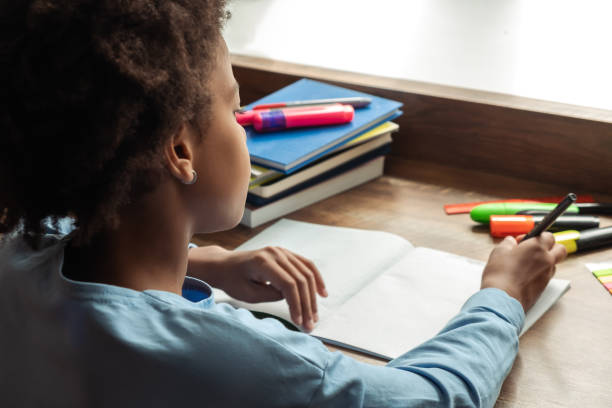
x=348, y=259
x=555, y=289
x=412, y=302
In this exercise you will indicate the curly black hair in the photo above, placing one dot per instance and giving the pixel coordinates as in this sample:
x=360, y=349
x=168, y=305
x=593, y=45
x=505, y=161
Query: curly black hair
x=89, y=92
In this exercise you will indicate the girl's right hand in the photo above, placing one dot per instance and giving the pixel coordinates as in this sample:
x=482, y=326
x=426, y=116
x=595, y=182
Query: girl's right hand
x=523, y=269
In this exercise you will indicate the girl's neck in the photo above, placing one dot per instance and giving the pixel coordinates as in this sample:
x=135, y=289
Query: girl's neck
x=147, y=251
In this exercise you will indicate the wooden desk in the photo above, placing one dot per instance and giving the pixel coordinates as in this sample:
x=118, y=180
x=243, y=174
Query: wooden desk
x=564, y=359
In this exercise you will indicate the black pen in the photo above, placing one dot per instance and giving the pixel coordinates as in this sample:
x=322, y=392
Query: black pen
x=551, y=216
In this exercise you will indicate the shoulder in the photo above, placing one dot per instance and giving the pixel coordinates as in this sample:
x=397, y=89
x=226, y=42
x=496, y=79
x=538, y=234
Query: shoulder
x=160, y=342
x=215, y=331
x=14, y=248
x=222, y=350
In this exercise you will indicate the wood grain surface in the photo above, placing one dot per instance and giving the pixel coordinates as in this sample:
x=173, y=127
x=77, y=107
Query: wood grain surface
x=564, y=359
x=459, y=145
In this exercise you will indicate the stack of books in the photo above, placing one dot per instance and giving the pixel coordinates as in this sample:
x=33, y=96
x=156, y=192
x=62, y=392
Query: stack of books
x=294, y=168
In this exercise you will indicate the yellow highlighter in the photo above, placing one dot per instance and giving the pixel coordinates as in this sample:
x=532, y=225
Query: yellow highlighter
x=575, y=241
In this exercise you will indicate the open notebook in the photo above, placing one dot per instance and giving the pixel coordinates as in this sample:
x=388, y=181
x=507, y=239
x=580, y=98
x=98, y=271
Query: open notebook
x=385, y=295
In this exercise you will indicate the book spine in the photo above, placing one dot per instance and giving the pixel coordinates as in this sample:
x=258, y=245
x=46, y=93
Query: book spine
x=255, y=217
x=256, y=200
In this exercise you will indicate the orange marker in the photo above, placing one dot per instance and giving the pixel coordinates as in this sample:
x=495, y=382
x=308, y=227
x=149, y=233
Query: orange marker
x=504, y=225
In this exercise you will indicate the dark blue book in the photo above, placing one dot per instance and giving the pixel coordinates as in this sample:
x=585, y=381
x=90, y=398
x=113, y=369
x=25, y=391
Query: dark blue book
x=289, y=150
x=381, y=151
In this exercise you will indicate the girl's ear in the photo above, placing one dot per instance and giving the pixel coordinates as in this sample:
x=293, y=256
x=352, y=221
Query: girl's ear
x=179, y=150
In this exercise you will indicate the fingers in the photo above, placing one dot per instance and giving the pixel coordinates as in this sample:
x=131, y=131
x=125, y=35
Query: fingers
x=295, y=282
x=303, y=279
x=547, y=240
x=523, y=270
x=551, y=273
x=284, y=282
x=297, y=279
x=310, y=281
x=317, y=275
x=559, y=252
x=507, y=244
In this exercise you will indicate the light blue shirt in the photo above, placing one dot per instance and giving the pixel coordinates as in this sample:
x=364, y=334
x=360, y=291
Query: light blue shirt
x=72, y=344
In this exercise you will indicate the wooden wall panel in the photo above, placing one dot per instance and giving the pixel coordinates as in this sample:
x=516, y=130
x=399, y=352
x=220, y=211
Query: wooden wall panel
x=568, y=151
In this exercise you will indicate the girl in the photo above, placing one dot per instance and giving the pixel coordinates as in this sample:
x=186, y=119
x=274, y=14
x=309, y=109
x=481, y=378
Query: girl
x=118, y=143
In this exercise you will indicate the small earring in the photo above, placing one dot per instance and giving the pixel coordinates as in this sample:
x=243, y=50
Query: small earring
x=193, y=180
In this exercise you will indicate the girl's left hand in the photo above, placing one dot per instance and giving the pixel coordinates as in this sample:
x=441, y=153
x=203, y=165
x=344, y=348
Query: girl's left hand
x=263, y=275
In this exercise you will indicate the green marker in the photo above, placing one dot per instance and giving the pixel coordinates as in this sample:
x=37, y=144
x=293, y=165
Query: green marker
x=482, y=212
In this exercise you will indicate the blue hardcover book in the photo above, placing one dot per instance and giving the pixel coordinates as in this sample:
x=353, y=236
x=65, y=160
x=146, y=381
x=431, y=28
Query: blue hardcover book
x=292, y=149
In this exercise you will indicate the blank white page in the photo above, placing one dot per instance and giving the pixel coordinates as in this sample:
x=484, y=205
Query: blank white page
x=385, y=296
x=348, y=259
x=413, y=301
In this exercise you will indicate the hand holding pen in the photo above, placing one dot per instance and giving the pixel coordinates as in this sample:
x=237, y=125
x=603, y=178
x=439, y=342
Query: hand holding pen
x=551, y=216
x=523, y=270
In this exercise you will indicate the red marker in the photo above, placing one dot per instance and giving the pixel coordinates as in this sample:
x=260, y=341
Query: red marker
x=266, y=120
x=467, y=207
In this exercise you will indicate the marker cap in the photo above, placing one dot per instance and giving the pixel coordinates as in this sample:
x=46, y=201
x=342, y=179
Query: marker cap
x=504, y=225
x=568, y=240
x=481, y=213
x=245, y=118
